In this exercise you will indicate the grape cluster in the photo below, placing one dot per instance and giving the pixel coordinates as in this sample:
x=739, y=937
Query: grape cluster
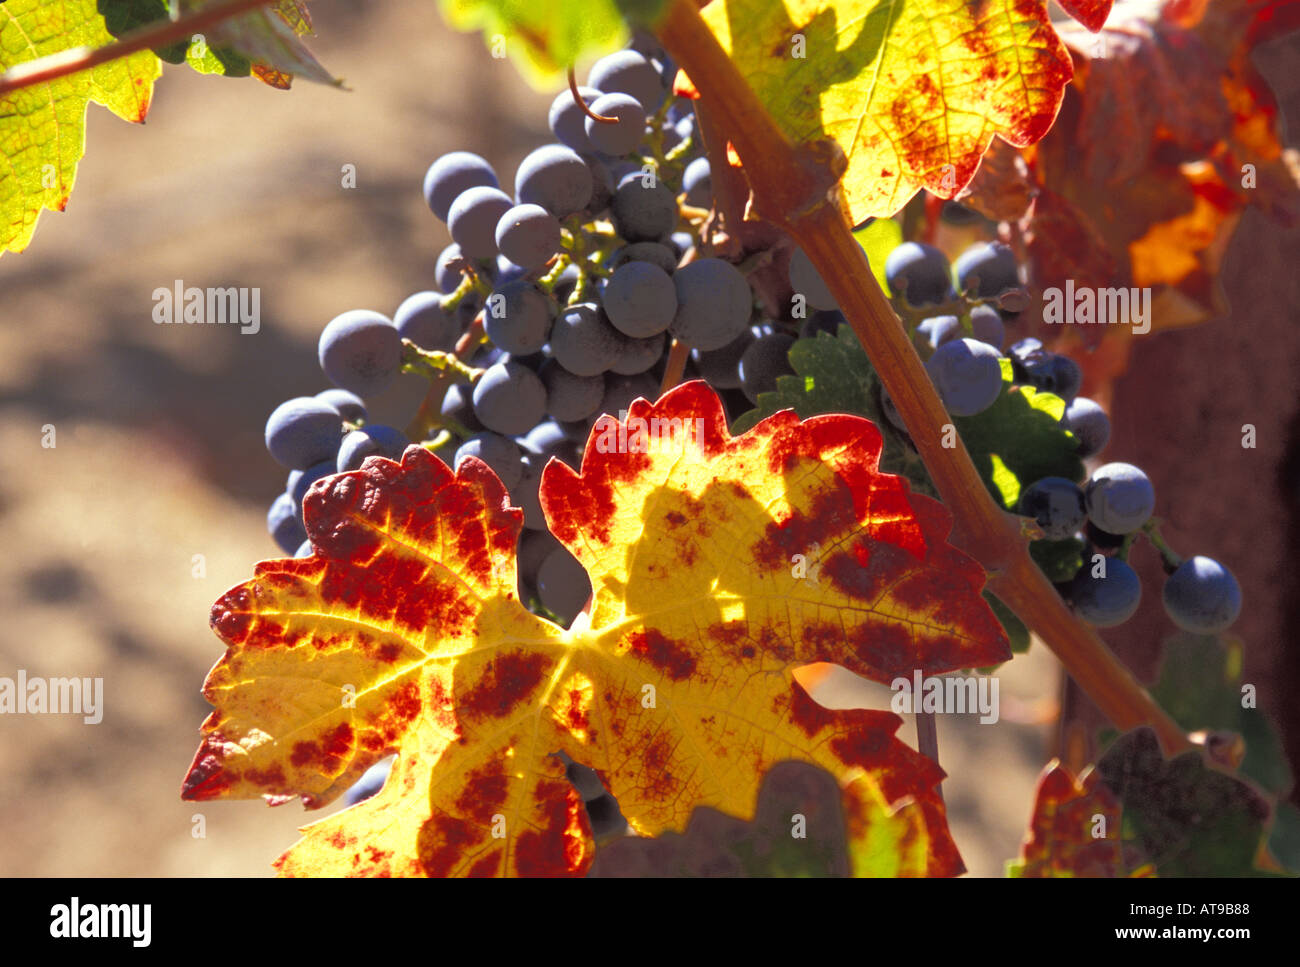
x=958, y=317
x=554, y=306
x=1105, y=516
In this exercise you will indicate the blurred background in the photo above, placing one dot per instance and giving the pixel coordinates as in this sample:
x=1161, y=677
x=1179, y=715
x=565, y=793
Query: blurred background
x=159, y=453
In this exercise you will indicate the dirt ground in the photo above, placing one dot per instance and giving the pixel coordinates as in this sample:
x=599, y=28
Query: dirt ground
x=159, y=455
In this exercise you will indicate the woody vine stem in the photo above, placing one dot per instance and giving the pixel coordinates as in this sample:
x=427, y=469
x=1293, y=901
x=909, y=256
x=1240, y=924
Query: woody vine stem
x=797, y=189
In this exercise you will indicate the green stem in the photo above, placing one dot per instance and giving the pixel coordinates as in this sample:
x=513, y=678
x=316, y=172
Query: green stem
x=432, y=363
x=1169, y=560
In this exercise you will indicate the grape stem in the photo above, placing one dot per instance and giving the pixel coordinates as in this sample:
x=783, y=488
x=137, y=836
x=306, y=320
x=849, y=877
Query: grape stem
x=1169, y=560
x=582, y=105
x=797, y=189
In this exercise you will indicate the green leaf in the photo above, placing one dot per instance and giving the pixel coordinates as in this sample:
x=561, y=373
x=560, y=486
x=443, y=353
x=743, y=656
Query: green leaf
x=1022, y=429
x=544, y=39
x=1189, y=819
x=1016, y=631
x=878, y=238
x=1059, y=560
x=1200, y=688
x=43, y=127
x=262, y=40
x=834, y=375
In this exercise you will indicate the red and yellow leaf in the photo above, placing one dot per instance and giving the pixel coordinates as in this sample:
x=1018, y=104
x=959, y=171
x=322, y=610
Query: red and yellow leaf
x=913, y=93
x=678, y=689
x=1167, y=133
x=1075, y=830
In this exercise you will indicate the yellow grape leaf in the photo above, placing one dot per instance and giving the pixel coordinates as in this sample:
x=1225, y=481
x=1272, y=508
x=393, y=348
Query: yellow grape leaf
x=43, y=127
x=913, y=91
x=719, y=565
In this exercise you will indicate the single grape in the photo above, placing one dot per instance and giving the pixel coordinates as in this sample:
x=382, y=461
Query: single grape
x=642, y=214
x=640, y=300
x=652, y=252
x=282, y=522
x=1057, y=505
x=473, y=220
x=1119, y=498
x=422, y=319
x=349, y=405
x=303, y=431
x=548, y=439
x=697, y=182
x=373, y=440
x=967, y=375
x=361, y=351
x=1106, y=601
x=987, y=326
x=533, y=548
x=622, y=136
x=602, y=185
x=713, y=303
x=583, y=341
x=570, y=397
x=449, y=276
x=565, y=284
x=988, y=267
x=1089, y=424
x=1202, y=596
x=524, y=494
x=620, y=391
x=509, y=398
x=508, y=272
x=568, y=120
x=453, y=174
x=371, y=781
x=498, y=452
x=319, y=471
x=763, y=361
x=458, y=404
x=939, y=330
x=518, y=318
x=919, y=273
x=528, y=235
x=1101, y=540
x=563, y=585
x=638, y=355
x=628, y=72
x=556, y=178
x=720, y=368
x=807, y=281
x=823, y=320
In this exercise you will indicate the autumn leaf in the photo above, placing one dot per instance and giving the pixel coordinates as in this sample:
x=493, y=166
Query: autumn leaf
x=43, y=127
x=1075, y=830
x=913, y=93
x=403, y=633
x=1166, y=134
